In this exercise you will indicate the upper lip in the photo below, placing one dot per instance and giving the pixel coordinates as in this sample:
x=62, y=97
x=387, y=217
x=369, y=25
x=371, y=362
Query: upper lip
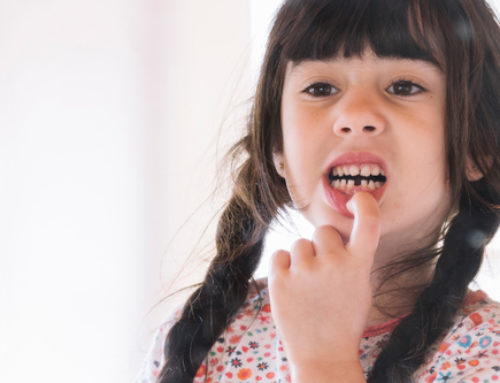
x=357, y=158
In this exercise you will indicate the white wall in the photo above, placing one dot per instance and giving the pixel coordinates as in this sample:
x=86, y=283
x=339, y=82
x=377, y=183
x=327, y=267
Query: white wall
x=108, y=116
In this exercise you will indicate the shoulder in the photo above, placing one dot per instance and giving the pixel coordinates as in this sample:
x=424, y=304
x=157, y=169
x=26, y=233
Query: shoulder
x=470, y=351
x=154, y=360
x=256, y=303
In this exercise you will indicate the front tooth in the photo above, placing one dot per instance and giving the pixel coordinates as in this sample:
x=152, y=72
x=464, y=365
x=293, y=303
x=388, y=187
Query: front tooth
x=364, y=183
x=346, y=169
x=375, y=170
x=371, y=185
x=340, y=171
x=354, y=169
x=343, y=183
x=365, y=170
x=350, y=184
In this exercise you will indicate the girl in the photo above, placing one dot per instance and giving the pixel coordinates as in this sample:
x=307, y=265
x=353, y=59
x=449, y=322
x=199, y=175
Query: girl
x=378, y=121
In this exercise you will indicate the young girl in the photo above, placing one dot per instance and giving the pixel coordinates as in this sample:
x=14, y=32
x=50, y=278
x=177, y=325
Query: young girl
x=379, y=121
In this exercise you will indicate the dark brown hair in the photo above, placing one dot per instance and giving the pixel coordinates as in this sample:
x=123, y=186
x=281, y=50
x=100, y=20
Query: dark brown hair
x=462, y=37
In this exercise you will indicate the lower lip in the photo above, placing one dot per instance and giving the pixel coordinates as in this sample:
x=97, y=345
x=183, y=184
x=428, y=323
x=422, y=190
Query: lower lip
x=338, y=199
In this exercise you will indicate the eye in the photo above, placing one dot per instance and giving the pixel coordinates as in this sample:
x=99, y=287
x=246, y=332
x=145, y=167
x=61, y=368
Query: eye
x=405, y=88
x=320, y=89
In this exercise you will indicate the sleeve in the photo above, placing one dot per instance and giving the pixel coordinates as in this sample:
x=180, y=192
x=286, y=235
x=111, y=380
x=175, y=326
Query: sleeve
x=470, y=353
x=155, y=359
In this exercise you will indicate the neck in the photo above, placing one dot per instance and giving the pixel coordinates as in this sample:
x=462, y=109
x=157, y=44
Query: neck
x=396, y=285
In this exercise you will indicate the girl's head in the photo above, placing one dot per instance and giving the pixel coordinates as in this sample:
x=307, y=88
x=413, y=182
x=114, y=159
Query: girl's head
x=449, y=48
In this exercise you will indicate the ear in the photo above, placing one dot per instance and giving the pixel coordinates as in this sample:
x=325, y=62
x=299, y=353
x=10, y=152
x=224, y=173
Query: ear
x=279, y=164
x=471, y=170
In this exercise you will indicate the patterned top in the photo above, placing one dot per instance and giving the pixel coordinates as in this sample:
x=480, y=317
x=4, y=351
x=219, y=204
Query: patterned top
x=250, y=349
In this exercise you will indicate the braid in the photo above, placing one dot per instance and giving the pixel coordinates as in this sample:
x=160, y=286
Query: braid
x=239, y=242
x=468, y=234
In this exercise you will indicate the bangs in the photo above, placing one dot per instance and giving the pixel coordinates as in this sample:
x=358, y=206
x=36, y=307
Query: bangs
x=323, y=29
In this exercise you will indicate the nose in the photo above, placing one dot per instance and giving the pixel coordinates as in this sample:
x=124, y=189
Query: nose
x=358, y=115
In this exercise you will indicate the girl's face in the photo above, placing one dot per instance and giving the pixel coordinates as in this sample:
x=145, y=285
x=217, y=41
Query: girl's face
x=367, y=123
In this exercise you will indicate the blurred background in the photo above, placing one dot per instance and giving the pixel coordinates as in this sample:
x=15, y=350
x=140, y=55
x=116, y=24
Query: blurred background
x=113, y=118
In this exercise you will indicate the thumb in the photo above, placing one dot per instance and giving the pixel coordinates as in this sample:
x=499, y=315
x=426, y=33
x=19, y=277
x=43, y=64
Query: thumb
x=366, y=228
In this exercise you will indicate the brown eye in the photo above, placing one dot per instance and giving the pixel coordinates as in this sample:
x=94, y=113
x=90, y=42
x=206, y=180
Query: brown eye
x=320, y=89
x=405, y=88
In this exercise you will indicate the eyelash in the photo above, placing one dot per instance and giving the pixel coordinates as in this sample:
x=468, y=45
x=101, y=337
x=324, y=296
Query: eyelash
x=414, y=86
x=318, y=89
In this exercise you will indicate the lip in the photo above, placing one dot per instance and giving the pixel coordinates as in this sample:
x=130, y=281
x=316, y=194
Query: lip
x=337, y=199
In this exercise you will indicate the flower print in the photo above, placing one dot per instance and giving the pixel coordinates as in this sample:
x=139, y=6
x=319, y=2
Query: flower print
x=235, y=339
x=460, y=362
x=262, y=366
x=465, y=341
x=445, y=366
x=230, y=350
x=270, y=375
x=474, y=363
x=485, y=341
x=482, y=354
x=476, y=318
x=235, y=362
x=201, y=371
x=444, y=378
x=264, y=319
x=244, y=374
x=443, y=347
x=253, y=345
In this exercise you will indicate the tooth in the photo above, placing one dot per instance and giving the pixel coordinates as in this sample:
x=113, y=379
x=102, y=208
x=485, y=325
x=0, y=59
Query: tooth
x=354, y=169
x=364, y=183
x=375, y=170
x=382, y=172
x=335, y=172
x=346, y=169
x=336, y=184
x=350, y=184
x=343, y=183
x=378, y=184
x=340, y=171
x=365, y=170
x=371, y=185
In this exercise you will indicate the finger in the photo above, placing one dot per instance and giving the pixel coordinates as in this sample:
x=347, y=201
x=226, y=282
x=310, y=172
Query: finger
x=280, y=261
x=302, y=252
x=366, y=230
x=327, y=240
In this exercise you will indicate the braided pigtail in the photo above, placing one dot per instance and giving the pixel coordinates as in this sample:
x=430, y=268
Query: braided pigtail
x=434, y=312
x=239, y=242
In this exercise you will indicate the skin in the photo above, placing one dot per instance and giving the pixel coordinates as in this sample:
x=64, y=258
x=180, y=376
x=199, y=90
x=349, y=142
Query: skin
x=403, y=103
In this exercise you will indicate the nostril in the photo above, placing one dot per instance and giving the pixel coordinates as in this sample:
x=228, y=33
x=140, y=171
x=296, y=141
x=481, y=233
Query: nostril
x=345, y=130
x=369, y=128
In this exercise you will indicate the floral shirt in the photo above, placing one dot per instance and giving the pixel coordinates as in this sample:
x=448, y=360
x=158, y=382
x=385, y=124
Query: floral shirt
x=250, y=349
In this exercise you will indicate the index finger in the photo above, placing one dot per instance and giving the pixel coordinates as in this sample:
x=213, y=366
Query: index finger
x=366, y=228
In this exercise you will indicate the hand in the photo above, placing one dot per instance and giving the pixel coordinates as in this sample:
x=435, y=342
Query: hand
x=320, y=291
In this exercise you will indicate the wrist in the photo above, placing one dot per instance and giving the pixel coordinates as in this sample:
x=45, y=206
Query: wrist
x=315, y=372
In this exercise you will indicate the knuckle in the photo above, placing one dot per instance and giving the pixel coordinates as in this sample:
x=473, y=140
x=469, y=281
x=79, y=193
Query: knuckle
x=301, y=244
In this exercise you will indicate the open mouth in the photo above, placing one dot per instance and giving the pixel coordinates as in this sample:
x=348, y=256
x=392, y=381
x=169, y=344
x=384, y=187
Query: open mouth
x=356, y=177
